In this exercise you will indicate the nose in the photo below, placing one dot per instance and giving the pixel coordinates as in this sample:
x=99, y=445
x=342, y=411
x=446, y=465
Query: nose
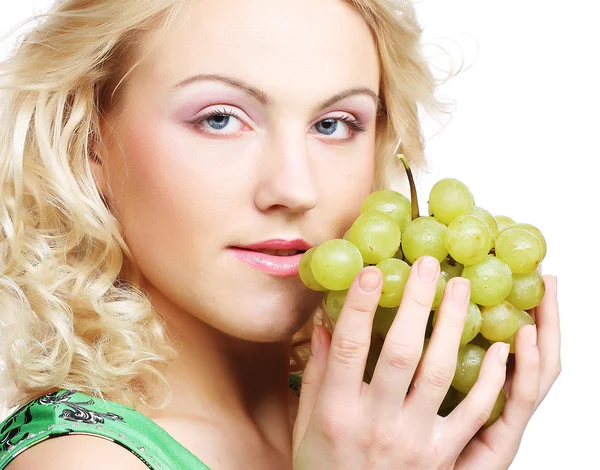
x=286, y=176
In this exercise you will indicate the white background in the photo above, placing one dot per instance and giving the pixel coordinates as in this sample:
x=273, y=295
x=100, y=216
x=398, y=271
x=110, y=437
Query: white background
x=521, y=138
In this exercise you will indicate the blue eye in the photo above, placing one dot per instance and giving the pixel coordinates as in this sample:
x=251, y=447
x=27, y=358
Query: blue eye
x=327, y=126
x=339, y=127
x=218, y=121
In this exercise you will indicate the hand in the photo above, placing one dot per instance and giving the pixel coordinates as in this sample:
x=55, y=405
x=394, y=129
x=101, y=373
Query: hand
x=344, y=423
x=537, y=366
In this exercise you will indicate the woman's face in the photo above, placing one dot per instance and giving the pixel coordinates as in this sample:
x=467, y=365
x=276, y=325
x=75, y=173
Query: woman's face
x=251, y=121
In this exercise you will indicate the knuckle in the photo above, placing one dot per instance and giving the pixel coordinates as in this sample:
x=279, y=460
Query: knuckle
x=481, y=416
x=362, y=306
x=420, y=301
x=557, y=369
x=439, y=375
x=376, y=439
x=412, y=453
x=348, y=350
x=331, y=427
x=402, y=357
x=528, y=398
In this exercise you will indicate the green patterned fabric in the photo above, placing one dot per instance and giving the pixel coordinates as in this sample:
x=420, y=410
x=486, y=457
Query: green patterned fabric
x=70, y=412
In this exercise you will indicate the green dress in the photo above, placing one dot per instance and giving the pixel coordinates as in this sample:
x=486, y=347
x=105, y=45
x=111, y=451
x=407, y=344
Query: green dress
x=70, y=412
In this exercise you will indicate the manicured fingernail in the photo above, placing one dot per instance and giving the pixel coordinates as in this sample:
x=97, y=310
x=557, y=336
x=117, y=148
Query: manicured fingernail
x=369, y=280
x=460, y=290
x=428, y=268
x=503, y=353
x=315, y=342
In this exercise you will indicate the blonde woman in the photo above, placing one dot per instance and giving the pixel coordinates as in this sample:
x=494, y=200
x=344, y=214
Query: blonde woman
x=162, y=165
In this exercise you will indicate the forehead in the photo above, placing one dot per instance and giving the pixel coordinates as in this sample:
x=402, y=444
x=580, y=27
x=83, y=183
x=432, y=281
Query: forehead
x=285, y=47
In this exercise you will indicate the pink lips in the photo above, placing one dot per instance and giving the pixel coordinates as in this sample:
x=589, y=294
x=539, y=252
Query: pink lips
x=278, y=265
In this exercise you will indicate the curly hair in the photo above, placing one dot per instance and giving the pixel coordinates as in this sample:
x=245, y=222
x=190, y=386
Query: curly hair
x=68, y=317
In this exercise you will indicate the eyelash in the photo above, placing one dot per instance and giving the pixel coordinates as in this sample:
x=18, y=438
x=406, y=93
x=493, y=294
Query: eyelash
x=355, y=124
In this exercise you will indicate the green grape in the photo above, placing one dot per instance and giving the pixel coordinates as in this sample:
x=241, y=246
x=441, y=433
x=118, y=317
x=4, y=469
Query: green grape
x=451, y=400
x=390, y=202
x=488, y=219
x=399, y=254
x=491, y=281
x=467, y=367
x=424, y=236
x=472, y=323
x=468, y=239
x=347, y=235
x=523, y=318
x=448, y=199
x=382, y=322
x=425, y=344
x=520, y=249
x=335, y=264
x=537, y=232
x=503, y=221
x=527, y=290
x=429, y=326
x=499, y=321
x=439, y=293
x=395, y=274
x=480, y=341
x=376, y=235
x=449, y=268
x=372, y=357
x=497, y=409
x=305, y=271
x=334, y=302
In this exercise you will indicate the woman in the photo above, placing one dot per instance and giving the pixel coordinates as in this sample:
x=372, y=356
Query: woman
x=163, y=164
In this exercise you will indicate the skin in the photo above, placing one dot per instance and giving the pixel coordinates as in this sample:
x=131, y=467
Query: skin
x=183, y=196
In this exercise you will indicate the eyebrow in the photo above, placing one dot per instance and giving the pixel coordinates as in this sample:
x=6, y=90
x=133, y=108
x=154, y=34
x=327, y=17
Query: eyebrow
x=266, y=100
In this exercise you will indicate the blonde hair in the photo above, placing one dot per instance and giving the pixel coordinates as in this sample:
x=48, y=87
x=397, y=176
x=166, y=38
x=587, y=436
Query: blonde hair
x=68, y=319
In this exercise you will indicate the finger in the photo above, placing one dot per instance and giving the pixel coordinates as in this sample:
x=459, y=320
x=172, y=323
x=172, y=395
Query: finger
x=403, y=343
x=312, y=378
x=548, y=339
x=437, y=367
x=525, y=387
x=475, y=409
x=351, y=339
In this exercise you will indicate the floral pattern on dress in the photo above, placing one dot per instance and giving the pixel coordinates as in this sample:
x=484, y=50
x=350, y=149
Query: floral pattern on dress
x=14, y=430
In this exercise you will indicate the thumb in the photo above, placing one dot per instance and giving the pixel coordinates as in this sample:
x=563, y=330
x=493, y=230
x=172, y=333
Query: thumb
x=312, y=378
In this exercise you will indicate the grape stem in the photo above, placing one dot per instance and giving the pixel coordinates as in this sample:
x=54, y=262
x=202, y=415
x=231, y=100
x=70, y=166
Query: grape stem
x=414, y=202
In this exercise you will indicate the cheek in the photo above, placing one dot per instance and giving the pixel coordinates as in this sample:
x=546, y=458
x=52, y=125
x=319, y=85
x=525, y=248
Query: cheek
x=160, y=194
x=344, y=188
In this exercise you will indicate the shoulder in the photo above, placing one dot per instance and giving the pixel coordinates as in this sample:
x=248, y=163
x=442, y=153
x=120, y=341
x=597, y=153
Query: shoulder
x=76, y=451
x=68, y=429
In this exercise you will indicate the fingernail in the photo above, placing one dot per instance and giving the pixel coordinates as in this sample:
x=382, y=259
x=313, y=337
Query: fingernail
x=315, y=342
x=460, y=290
x=555, y=286
x=503, y=353
x=428, y=268
x=369, y=280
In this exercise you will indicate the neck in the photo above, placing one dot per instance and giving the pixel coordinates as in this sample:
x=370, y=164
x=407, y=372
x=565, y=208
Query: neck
x=221, y=379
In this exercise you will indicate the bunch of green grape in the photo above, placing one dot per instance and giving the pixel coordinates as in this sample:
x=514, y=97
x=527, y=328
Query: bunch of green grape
x=497, y=255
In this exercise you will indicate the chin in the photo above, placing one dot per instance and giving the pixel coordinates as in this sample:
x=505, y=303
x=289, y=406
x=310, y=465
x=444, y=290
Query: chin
x=270, y=318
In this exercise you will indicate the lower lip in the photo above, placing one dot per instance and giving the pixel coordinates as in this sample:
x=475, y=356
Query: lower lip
x=282, y=266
